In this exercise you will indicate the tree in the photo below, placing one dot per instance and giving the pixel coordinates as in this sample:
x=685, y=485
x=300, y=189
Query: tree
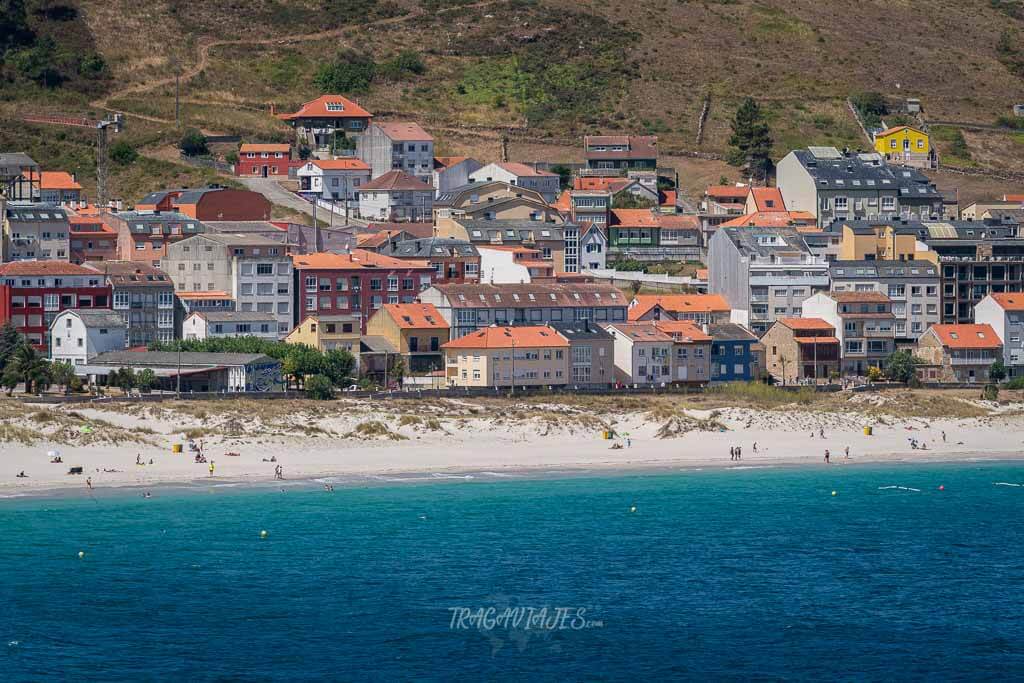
x=319, y=388
x=396, y=373
x=122, y=153
x=62, y=374
x=564, y=175
x=26, y=366
x=635, y=286
x=901, y=366
x=997, y=373
x=338, y=365
x=123, y=378
x=302, y=361
x=349, y=72
x=628, y=200
x=751, y=139
x=231, y=157
x=406, y=63
x=10, y=340
x=193, y=143
x=872, y=106
x=145, y=380
x=874, y=373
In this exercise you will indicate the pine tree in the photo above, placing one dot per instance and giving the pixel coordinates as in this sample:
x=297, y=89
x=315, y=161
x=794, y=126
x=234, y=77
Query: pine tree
x=751, y=139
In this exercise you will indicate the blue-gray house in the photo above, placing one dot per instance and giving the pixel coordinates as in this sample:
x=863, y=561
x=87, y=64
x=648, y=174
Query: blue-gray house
x=734, y=356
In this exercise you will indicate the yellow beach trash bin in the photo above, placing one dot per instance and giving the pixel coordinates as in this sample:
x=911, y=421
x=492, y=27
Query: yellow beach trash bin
x=176, y=448
x=867, y=431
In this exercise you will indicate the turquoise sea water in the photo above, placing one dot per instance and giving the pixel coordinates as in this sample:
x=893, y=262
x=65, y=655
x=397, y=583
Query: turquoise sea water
x=757, y=573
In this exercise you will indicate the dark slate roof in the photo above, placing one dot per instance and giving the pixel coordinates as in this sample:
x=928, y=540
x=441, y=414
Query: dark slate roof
x=171, y=358
x=94, y=318
x=24, y=212
x=835, y=170
x=371, y=343
x=482, y=230
x=433, y=246
x=766, y=241
x=13, y=162
x=131, y=273
x=730, y=332
x=583, y=329
x=870, y=270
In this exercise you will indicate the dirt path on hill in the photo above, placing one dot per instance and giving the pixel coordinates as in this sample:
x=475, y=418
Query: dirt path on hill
x=205, y=47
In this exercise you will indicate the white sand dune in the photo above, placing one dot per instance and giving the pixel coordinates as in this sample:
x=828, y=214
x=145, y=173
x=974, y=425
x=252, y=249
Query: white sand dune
x=485, y=443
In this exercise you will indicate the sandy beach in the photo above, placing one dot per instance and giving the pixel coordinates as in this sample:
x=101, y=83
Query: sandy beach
x=447, y=438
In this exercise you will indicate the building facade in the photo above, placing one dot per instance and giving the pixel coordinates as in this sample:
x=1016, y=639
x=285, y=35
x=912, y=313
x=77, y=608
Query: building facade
x=144, y=298
x=335, y=180
x=864, y=323
x=913, y=287
x=145, y=236
x=330, y=123
x=734, y=356
x=453, y=260
x=356, y=284
x=395, y=146
x=764, y=274
x=591, y=353
x=32, y=293
x=799, y=350
x=415, y=331
x=255, y=271
x=958, y=353
x=521, y=175
x=35, y=232
x=396, y=196
x=212, y=203
x=214, y=325
x=470, y=307
x=643, y=353
x=1004, y=313
x=77, y=336
x=328, y=333
x=508, y=356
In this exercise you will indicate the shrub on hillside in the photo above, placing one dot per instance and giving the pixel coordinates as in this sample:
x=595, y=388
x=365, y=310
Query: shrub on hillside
x=319, y=388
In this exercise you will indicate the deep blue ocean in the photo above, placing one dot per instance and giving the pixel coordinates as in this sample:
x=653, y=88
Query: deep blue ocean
x=748, y=574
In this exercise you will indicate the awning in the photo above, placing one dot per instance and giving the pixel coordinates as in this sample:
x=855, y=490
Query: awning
x=816, y=340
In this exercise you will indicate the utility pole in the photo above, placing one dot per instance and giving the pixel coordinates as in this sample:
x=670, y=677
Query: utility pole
x=513, y=392
x=178, y=376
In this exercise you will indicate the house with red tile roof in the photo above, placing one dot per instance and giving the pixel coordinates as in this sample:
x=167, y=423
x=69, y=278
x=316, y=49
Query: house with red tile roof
x=721, y=203
x=520, y=175
x=697, y=308
x=265, y=160
x=32, y=293
x=528, y=355
x=801, y=350
x=335, y=180
x=398, y=145
x=396, y=196
x=1004, y=312
x=764, y=200
x=59, y=187
x=958, y=353
x=357, y=283
x=773, y=219
x=865, y=326
x=691, y=350
x=415, y=331
x=650, y=235
x=327, y=123
x=91, y=239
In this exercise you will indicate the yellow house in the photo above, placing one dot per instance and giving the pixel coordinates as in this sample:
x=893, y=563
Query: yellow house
x=327, y=332
x=882, y=243
x=501, y=356
x=416, y=331
x=903, y=143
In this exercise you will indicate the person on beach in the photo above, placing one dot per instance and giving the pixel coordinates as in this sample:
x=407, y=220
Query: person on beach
x=211, y=468
x=943, y=436
x=847, y=456
x=739, y=452
x=826, y=456
x=821, y=432
x=732, y=452
x=755, y=447
x=629, y=442
x=88, y=482
x=138, y=459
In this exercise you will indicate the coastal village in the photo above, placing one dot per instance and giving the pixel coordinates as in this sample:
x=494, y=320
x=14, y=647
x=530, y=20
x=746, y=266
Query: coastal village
x=430, y=272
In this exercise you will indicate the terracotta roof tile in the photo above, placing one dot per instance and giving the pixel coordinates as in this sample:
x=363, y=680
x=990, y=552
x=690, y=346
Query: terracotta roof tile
x=268, y=147
x=800, y=324
x=57, y=180
x=678, y=303
x=405, y=131
x=358, y=258
x=771, y=219
x=318, y=109
x=415, y=316
x=633, y=218
x=16, y=268
x=683, y=330
x=1009, y=301
x=340, y=164
x=966, y=336
x=768, y=199
x=506, y=337
x=730, y=191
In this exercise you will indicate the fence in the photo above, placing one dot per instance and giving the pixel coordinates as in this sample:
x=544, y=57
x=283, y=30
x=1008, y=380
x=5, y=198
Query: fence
x=207, y=162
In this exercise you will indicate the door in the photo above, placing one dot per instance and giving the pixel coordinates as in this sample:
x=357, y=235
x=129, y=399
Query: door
x=683, y=370
x=265, y=173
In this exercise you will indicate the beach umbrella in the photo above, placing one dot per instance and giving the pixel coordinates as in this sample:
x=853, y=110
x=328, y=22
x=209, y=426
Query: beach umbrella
x=52, y=454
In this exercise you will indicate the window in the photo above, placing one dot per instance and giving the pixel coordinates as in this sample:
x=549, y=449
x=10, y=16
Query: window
x=842, y=204
x=888, y=203
x=264, y=268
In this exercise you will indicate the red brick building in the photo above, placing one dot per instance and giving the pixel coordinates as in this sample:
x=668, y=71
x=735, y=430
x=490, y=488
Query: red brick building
x=265, y=160
x=91, y=240
x=358, y=283
x=145, y=236
x=32, y=293
x=209, y=204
